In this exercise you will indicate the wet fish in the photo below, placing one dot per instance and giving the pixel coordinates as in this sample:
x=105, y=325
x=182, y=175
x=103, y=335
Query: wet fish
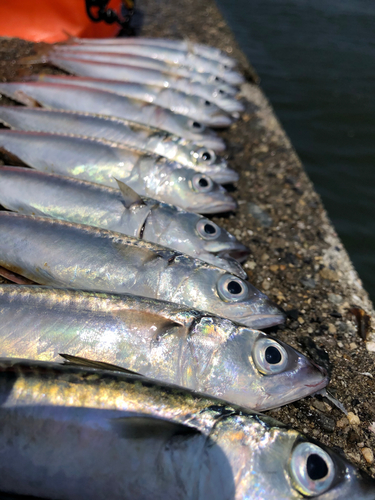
x=71, y=433
x=124, y=132
x=102, y=162
x=58, y=253
x=183, y=45
x=35, y=193
x=168, y=55
x=129, y=72
x=158, y=339
x=179, y=102
x=76, y=98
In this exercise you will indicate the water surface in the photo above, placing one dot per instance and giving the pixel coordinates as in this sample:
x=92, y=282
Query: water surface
x=316, y=61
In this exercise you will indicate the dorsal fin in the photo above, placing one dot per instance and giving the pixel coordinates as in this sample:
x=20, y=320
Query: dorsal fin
x=131, y=198
x=89, y=363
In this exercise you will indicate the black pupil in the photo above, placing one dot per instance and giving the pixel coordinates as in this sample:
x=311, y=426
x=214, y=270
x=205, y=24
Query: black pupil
x=196, y=125
x=209, y=229
x=273, y=356
x=221, y=91
x=316, y=467
x=207, y=103
x=203, y=182
x=206, y=156
x=234, y=287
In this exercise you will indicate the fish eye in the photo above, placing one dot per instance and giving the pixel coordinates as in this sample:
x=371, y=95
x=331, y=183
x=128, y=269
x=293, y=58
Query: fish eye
x=208, y=230
x=196, y=125
x=311, y=468
x=269, y=356
x=232, y=289
x=221, y=91
x=202, y=183
x=207, y=155
x=207, y=103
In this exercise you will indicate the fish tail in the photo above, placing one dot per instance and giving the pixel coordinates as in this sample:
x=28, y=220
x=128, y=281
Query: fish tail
x=40, y=57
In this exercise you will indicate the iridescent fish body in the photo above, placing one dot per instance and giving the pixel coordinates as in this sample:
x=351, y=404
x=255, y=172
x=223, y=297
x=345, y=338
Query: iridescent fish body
x=158, y=339
x=58, y=253
x=75, y=98
x=191, y=106
x=184, y=45
x=103, y=162
x=129, y=134
x=166, y=54
x=73, y=433
x=137, y=71
x=31, y=192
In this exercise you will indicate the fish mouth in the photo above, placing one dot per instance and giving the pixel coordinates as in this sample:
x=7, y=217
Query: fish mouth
x=262, y=321
x=228, y=250
x=231, y=106
x=224, y=176
x=211, y=142
x=233, y=78
x=219, y=120
x=219, y=205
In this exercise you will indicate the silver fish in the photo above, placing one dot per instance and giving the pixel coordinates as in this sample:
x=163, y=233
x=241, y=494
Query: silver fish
x=184, y=45
x=158, y=339
x=207, y=111
x=194, y=107
x=102, y=162
x=35, y=193
x=58, y=253
x=125, y=72
x=73, y=433
x=168, y=55
x=76, y=98
x=124, y=132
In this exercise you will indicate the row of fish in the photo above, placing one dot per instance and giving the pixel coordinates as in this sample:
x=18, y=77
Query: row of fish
x=139, y=286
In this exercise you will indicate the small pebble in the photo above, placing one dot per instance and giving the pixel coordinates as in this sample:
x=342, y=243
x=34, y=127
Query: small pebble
x=343, y=422
x=353, y=418
x=370, y=346
x=332, y=329
x=334, y=298
x=353, y=346
x=368, y=455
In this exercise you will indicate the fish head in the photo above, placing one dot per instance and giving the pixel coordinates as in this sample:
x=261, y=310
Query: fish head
x=209, y=112
x=196, y=132
x=285, y=465
x=227, y=101
x=231, y=297
x=196, y=192
x=221, y=84
x=266, y=373
x=205, y=240
x=250, y=369
x=206, y=161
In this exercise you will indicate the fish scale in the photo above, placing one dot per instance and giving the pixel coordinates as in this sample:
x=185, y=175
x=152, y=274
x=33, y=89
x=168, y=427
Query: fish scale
x=104, y=162
x=74, y=98
x=31, y=192
x=104, y=434
x=162, y=340
x=59, y=253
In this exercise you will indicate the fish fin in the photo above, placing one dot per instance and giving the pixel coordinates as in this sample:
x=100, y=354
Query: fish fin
x=23, y=98
x=40, y=57
x=15, y=278
x=131, y=198
x=145, y=427
x=89, y=363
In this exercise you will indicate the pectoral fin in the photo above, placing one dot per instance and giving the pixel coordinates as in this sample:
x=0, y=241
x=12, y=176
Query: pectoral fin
x=89, y=363
x=130, y=197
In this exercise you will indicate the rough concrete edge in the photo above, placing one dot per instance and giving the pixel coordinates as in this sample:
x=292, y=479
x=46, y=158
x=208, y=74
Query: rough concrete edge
x=336, y=250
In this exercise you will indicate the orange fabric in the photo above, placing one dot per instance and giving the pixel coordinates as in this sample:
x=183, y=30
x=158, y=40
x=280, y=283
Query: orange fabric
x=52, y=20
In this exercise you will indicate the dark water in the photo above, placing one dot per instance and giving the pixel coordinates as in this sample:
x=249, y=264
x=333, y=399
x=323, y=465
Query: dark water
x=316, y=60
